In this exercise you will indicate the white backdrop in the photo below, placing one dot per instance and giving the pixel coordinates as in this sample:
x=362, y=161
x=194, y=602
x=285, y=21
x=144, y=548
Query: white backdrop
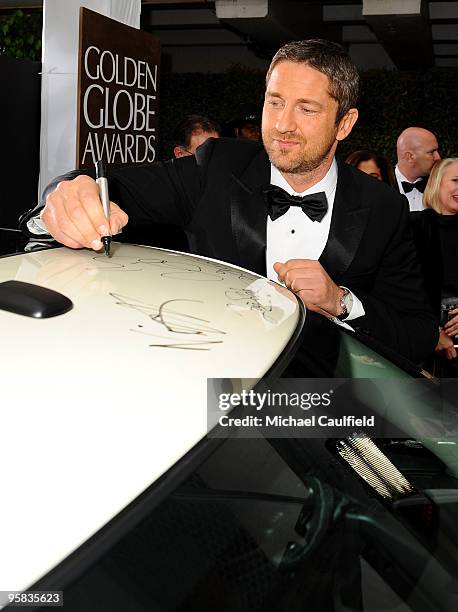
x=59, y=79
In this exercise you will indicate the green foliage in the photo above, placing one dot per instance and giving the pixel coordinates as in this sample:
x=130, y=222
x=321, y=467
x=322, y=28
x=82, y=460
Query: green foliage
x=20, y=35
x=390, y=102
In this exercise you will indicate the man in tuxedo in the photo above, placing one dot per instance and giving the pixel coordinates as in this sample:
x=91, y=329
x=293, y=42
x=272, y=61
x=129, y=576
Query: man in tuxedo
x=417, y=151
x=286, y=208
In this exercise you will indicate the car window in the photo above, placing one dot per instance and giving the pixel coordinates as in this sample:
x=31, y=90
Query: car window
x=287, y=525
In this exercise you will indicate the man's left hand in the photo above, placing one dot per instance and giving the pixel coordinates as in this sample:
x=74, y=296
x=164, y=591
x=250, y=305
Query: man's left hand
x=451, y=327
x=445, y=346
x=310, y=281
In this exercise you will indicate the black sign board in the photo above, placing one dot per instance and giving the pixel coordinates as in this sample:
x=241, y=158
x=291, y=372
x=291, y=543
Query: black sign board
x=118, y=91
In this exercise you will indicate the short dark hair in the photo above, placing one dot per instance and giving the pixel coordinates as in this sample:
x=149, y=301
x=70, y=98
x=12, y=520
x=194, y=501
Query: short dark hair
x=189, y=125
x=332, y=60
x=363, y=155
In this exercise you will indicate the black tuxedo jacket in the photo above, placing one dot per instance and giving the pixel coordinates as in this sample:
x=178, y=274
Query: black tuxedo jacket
x=427, y=242
x=216, y=197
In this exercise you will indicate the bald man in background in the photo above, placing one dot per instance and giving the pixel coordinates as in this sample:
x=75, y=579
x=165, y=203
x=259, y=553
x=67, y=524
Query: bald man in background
x=417, y=151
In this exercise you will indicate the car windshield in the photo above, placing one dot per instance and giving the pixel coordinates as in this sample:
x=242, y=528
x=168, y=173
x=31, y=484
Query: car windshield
x=290, y=524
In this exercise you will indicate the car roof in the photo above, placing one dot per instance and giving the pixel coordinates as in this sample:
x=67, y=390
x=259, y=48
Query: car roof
x=100, y=401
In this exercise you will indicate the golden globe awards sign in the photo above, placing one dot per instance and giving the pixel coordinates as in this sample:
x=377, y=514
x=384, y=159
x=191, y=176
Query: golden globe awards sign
x=118, y=79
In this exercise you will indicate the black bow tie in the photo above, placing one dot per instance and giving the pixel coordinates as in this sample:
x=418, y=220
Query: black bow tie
x=278, y=201
x=420, y=185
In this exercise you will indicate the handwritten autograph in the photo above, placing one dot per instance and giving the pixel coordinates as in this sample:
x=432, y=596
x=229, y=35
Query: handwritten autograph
x=173, y=321
x=179, y=268
x=247, y=299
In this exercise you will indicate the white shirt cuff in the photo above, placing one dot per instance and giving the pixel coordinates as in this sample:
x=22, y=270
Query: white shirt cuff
x=357, y=310
x=36, y=226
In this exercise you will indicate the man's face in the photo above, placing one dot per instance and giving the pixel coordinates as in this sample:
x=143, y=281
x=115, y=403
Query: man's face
x=198, y=137
x=425, y=155
x=249, y=131
x=299, y=118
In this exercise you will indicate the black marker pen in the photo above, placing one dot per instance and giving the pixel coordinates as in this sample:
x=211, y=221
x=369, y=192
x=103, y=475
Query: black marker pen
x=102, y=182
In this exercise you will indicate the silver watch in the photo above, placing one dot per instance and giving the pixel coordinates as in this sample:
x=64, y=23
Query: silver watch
x=346, y=304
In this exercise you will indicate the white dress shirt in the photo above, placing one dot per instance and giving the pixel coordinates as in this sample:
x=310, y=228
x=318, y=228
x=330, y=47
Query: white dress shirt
x=415, y=197
x=295, y=236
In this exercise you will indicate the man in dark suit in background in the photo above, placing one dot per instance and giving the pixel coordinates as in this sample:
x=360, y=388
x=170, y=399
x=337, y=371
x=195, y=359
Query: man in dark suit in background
x=341, y=242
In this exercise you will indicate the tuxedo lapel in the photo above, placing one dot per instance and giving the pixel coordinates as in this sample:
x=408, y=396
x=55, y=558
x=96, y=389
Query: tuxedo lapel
x=249, y=214
x=249, y=219
x=349, y=219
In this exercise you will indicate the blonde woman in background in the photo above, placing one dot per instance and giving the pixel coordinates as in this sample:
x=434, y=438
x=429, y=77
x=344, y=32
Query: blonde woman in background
x=435, y=232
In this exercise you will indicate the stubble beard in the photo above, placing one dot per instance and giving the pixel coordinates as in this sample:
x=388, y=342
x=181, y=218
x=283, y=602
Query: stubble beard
x=305, y=163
